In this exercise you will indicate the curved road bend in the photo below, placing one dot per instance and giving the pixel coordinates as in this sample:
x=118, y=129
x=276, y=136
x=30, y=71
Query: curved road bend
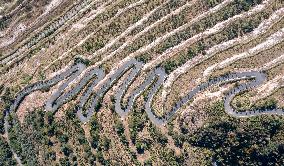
x=59, y=98
x=132, y=64
x=153, y=82
x=34, y=87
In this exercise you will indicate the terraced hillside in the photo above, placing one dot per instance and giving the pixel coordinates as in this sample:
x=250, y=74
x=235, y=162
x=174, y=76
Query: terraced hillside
x=142, y=82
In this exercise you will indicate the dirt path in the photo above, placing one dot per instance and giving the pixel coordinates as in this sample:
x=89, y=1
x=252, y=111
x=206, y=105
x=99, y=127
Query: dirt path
x=260, y=30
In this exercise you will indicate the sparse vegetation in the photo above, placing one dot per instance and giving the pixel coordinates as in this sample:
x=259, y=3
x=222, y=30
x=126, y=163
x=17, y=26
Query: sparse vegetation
x=193, y=40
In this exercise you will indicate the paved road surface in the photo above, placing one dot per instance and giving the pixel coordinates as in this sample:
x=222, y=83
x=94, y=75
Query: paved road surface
x=153, y=82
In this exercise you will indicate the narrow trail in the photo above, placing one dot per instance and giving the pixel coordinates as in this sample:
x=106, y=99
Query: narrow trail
x=127, y=31
x=268, y=88
x=81, y=24
x=179, y=29
x=66, y=34
x=208, y=32
x=164, y=37
x=52, y=5
x=77, y=27
x=260, y=30
x=270, y=42
x=80, y=43
x=154, y=82
x=144, y=31
x=84, y=21
x=273, y=63
x=272, y=85
x=43, y=32
x=88, y=85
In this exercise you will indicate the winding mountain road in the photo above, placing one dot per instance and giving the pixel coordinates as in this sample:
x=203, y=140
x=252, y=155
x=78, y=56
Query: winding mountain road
x=153, y=82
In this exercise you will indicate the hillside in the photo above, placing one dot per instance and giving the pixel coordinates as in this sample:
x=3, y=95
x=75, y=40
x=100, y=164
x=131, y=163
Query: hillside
x=142, y=82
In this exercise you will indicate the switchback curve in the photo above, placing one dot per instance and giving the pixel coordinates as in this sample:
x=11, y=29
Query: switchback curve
x=153, y=82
